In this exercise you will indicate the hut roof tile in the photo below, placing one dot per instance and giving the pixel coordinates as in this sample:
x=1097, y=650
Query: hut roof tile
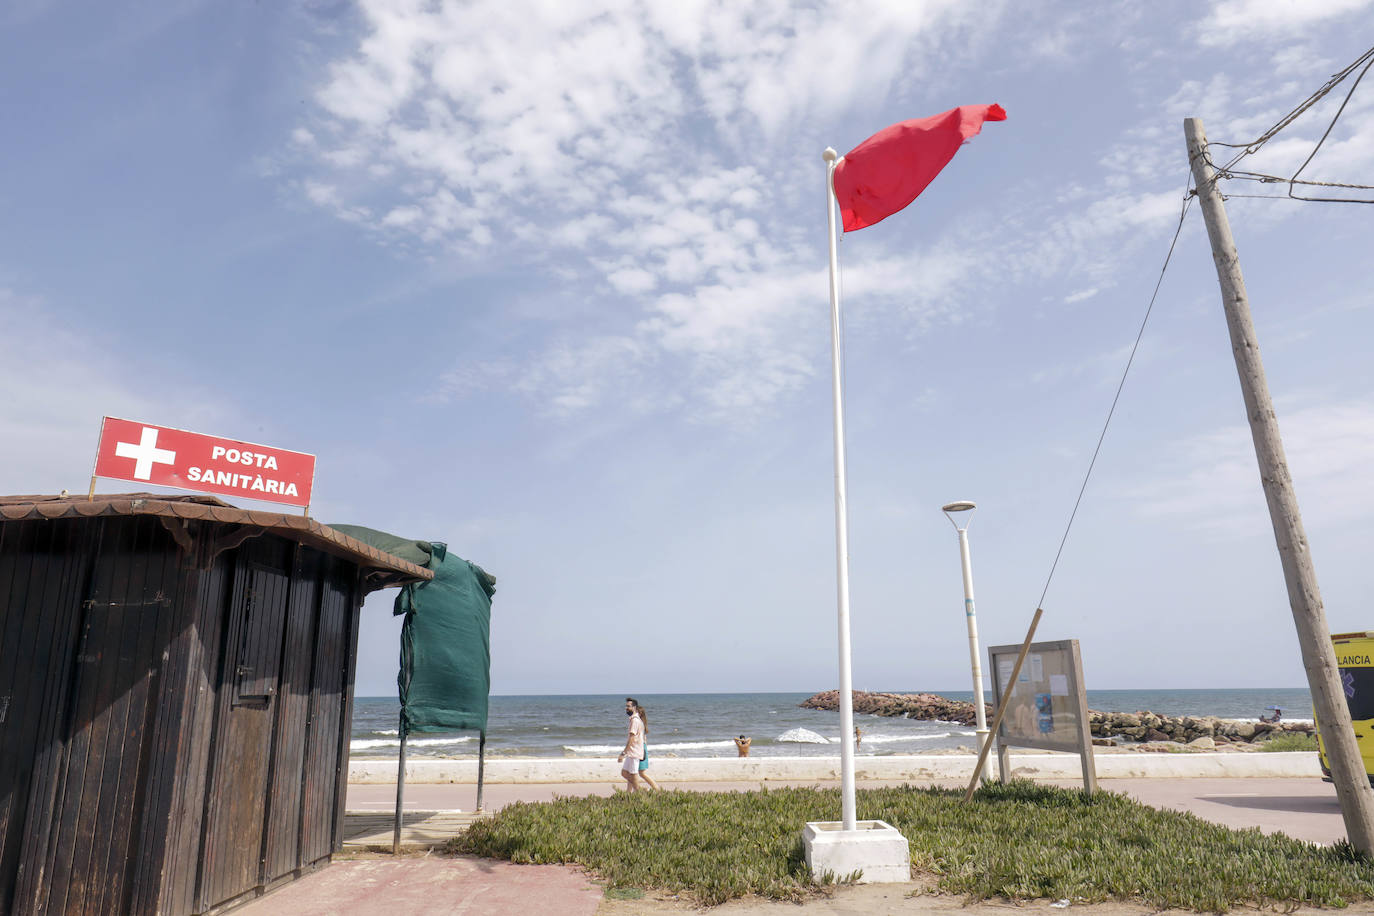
x=384, y=569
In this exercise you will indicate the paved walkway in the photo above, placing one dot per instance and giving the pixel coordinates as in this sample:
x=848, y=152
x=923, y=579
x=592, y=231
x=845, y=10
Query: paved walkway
x=427, y=886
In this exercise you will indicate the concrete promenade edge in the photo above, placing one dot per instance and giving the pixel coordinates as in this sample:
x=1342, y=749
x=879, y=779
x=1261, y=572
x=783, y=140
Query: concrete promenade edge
x=1030, y=765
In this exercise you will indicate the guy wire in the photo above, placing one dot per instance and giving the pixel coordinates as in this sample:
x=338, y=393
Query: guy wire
x=1187, y=202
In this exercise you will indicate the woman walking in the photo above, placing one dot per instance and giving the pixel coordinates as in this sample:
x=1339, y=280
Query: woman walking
x=644, y=761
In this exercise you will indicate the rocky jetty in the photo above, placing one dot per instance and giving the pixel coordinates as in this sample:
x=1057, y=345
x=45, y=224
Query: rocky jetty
x=903, y=705
x=1136, y=726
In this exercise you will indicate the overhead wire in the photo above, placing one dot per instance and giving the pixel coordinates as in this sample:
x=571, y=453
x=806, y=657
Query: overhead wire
x=1246, y=149
x=1334, y=119
x=1183, y=213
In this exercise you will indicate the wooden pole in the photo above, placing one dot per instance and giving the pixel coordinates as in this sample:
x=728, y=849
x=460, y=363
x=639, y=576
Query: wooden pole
x=1002, y=705
x=400, y=789
x=481, y=764
x=1304, y=597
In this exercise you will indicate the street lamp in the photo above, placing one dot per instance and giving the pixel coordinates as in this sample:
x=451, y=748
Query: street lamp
x=953, y=511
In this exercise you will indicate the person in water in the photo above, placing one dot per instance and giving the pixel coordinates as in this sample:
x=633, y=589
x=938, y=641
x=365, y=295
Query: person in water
x=742, y=745
x=644, y=761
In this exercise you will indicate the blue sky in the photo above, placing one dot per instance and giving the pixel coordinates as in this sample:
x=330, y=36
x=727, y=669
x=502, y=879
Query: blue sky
x=547, y=281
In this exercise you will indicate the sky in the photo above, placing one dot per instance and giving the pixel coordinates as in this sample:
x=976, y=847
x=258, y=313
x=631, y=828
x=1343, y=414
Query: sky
x=547, y=281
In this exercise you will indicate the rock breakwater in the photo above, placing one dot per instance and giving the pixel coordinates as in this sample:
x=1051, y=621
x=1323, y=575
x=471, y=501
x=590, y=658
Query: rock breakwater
x=1136, y=726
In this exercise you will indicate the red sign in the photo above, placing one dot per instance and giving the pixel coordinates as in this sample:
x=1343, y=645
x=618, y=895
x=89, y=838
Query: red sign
x=192, y=461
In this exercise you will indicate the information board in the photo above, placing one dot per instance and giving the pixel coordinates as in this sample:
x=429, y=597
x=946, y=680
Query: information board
x=1047, y=708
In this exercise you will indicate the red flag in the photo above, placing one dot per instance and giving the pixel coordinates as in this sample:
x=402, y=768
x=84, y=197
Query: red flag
x=891, y=168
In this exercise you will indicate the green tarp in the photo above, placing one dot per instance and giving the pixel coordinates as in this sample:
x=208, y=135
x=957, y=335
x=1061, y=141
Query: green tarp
x=445, y=675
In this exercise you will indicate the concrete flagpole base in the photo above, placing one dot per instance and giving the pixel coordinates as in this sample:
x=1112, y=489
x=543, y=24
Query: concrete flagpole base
x=875, y=848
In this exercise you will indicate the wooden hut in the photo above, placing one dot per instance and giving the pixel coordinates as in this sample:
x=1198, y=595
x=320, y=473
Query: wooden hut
x=176, y=690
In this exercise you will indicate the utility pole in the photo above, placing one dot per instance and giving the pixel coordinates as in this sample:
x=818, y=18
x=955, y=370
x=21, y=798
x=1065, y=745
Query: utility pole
x=1318, y=655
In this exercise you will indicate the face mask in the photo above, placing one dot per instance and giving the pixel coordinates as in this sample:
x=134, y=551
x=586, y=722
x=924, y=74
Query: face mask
x=629, y=712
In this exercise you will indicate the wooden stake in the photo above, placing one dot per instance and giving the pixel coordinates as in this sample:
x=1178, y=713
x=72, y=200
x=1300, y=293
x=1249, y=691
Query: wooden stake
x=400, y=790
x=481, y=764
x=1002, y=704
x=1304, y=597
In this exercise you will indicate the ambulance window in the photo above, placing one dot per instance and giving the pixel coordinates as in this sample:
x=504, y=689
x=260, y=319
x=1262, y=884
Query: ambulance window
x=1361, y=680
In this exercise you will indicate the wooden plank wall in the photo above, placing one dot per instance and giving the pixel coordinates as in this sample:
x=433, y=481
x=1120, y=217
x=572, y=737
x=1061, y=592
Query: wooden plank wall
x=86, y=796
x=158, y=778
x=128, y=623
x=170, y=846
x=236, y=808
x=42, y=577
x=282, y=845
x=319, y=827
x=345, y=740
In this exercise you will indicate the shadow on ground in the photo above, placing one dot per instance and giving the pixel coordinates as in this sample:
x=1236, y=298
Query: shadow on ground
x=1304, y=804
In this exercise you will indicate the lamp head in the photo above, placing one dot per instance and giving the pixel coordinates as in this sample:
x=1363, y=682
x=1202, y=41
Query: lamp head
x=957, y=507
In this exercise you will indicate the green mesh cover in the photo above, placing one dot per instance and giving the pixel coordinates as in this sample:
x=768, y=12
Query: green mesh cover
x=445, y=675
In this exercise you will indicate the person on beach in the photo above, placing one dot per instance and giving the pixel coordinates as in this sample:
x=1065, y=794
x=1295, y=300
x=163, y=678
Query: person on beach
x=644, y=761
x=634, y=747
x=858, y=736
x=742, y=745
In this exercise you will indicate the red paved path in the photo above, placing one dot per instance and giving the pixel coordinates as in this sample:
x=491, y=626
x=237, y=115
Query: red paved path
x=418, y=886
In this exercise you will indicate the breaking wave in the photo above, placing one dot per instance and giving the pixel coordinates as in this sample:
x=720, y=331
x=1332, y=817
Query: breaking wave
x=359, y=744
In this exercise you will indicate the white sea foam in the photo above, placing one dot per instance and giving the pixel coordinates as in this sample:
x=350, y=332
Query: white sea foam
x=653, y=746
x=890, y=739
x=690, y=745
x=802, y=736
x=364, y=743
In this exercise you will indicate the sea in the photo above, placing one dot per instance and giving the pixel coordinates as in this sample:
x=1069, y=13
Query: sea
x=706, y=724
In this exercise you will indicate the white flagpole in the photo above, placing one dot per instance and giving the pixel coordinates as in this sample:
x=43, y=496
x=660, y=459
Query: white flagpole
x=841, y=512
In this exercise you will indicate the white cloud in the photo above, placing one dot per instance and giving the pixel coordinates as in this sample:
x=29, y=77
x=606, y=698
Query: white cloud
x=631, y=280
x=607, y=145
x=1231, y=21
x=49, y=416
x=563, y=109
x=607, y=134
x=1213, y=483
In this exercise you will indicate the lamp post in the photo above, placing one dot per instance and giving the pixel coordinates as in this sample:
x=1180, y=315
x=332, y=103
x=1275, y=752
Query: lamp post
x=954, y=511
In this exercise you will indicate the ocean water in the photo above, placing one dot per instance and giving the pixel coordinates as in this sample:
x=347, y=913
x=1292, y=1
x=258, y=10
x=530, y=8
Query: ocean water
x=705, y=724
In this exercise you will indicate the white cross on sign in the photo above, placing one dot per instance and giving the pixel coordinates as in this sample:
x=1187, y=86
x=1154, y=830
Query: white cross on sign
x=145, y=454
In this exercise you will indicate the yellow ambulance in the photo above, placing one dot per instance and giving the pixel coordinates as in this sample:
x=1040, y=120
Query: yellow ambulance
x=1355, y=657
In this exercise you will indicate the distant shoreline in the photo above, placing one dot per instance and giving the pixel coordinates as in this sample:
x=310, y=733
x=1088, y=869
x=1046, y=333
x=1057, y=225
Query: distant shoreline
x=576, y=726
x=953, y=692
